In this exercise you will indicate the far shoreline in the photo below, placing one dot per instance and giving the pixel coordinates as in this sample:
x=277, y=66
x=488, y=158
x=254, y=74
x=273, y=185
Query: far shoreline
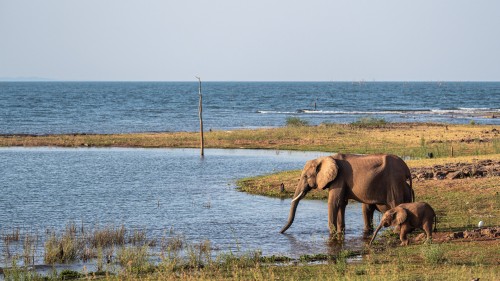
x=414, y=140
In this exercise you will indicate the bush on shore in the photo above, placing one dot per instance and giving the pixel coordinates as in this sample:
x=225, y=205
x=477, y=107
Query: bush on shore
x=296, y=122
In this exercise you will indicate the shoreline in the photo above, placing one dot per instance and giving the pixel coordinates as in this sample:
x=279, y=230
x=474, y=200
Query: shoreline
x=413, y=140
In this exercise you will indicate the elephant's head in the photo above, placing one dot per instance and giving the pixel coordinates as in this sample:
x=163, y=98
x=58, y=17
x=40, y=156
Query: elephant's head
x=392, y=217
x=317, y=173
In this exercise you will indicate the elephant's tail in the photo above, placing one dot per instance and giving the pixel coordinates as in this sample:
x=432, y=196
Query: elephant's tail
x=410, y=184
x=435, y=223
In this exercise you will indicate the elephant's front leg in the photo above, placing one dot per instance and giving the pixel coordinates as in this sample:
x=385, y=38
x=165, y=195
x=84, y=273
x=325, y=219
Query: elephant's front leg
x=341, y=217
x=334, y=199
x=403, y=235
x=332, y=212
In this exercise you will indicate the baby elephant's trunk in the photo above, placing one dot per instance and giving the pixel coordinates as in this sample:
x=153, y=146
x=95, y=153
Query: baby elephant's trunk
x=375, y=233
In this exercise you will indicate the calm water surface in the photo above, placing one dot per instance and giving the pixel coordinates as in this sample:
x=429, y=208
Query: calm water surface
x=162, y=189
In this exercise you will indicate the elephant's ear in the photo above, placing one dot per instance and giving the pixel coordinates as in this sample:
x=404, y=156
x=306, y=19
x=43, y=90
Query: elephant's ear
x=400, y=216
x=327, y=171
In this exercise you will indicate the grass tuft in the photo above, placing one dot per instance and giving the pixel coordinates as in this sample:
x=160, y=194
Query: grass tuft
x=108, y=236
x=369, y=122
x=296, y=122
x=433, y=254
x=134, y=259
x=13, y=236
x=61, y=249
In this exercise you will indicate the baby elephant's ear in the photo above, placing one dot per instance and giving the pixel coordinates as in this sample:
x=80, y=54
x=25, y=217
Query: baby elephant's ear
x=400, y=216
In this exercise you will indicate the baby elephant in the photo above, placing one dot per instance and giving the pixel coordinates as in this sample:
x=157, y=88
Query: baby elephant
x=408, y=216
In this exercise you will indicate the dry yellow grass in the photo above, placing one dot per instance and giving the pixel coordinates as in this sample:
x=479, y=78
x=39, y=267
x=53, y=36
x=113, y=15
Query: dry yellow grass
x=426, y=162
x=409, y=139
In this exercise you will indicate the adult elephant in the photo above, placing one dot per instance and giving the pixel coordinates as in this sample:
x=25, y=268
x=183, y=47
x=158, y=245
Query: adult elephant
x=378, y=181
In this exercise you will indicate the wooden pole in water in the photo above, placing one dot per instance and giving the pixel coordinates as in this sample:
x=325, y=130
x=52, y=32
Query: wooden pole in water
x=200, y=111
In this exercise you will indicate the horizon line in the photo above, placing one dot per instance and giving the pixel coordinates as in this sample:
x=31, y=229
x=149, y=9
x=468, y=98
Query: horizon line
x=248, y=81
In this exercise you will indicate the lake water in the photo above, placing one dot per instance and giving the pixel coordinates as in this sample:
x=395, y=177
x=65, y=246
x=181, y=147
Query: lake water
x=120, y=107
x=162, y=189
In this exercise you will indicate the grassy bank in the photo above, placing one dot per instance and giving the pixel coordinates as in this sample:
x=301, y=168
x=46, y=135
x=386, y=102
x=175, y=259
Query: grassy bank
x=459, y=203
x=411, y=139
x=438, y=261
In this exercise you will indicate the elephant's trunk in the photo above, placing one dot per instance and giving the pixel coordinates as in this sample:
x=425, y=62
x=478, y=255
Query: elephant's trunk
x=376, y=231
x=300, y=192
x=291, y=216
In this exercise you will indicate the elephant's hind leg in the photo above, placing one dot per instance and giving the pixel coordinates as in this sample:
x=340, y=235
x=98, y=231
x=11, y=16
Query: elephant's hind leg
x=368, y=210
x=427, y=227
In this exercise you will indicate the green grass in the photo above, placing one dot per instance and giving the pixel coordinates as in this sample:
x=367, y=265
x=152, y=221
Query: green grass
x=433, y=254
x=462, y=203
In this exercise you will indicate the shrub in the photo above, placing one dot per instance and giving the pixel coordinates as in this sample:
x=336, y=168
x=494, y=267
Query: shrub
x=133, y=258
x=108, y=237
x=296, y=122
x=433, y=254
x=29, y=245
x=200, y=254
x=61, y=249
x=366, y=122
x=67, y=274
x=341, y=262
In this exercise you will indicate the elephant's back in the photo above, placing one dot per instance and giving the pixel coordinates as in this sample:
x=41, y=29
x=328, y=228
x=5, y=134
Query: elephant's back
x=419, y=208
x=384, y=166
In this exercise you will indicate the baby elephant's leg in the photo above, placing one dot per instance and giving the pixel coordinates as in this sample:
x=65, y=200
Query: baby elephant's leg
x=397, y=229
x=402, y=235
x=427, y=227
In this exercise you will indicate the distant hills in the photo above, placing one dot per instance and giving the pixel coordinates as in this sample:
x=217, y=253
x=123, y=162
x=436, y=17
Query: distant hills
x=24, y=79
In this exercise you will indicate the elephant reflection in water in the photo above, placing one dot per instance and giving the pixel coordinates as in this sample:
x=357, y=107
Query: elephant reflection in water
x=380, y=182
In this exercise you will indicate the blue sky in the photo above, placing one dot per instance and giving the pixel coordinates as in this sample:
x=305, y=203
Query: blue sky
x=228, y=40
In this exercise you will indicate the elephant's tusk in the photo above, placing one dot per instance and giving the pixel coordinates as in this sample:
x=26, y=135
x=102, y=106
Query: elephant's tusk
x=298, y=196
